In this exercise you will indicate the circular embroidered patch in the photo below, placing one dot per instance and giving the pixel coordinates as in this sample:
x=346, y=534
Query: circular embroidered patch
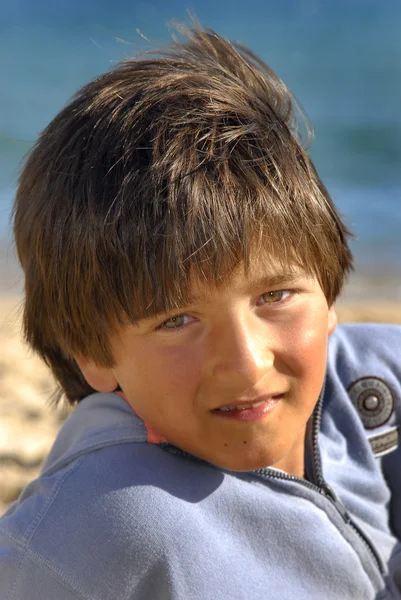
x=373, y=400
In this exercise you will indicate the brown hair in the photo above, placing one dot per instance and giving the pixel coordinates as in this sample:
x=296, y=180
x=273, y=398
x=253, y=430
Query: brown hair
x=187, y=158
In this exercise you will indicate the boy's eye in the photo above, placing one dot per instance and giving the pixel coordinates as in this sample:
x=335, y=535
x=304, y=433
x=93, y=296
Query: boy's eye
x=174, y=322
x=275, y=296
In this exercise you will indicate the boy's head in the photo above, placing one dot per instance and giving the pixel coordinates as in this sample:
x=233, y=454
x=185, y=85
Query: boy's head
x=171, y=169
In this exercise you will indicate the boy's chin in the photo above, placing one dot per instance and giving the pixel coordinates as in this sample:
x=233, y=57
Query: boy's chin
x=245, y=462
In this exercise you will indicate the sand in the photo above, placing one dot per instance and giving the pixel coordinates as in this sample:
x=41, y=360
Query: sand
x=28, y=425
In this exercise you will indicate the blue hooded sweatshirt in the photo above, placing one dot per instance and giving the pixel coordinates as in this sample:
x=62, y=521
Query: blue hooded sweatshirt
x=114, y=517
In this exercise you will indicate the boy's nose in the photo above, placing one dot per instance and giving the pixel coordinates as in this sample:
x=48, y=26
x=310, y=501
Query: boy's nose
x=241, y=352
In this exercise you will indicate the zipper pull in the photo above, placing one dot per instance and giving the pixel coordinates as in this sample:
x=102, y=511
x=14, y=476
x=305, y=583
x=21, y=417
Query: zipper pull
x=330, y=493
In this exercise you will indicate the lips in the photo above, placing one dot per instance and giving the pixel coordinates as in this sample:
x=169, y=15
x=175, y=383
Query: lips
x=253, y=410
x=242, y=405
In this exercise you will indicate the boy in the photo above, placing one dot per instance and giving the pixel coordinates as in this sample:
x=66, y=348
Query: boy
x=181, y=260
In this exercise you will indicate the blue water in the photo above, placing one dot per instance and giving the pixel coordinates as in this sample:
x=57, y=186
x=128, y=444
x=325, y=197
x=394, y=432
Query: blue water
x=342, y=60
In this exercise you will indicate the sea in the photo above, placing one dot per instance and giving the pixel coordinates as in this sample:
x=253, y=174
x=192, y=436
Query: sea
x=341, y=59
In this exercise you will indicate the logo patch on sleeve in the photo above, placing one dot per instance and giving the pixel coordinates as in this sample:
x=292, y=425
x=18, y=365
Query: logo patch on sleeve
x=373, y=400
x=386, y=442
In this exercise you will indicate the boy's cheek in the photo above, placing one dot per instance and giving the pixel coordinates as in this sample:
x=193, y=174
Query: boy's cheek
x=309, y=332
x=304, y=355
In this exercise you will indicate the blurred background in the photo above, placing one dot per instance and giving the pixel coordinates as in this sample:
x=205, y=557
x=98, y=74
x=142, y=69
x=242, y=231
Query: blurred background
x=341, y=59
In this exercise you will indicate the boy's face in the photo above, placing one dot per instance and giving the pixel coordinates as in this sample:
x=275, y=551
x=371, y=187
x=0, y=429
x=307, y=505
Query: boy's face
x=260, y=339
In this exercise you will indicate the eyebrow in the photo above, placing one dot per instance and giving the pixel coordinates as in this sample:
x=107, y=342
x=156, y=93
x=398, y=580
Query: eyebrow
x=267, y=282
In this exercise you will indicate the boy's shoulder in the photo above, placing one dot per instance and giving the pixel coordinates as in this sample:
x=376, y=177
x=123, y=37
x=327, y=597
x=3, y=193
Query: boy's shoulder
x=118, y=502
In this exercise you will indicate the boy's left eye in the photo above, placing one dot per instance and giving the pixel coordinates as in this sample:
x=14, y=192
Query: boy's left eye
x=175, y=322
x=275, y=296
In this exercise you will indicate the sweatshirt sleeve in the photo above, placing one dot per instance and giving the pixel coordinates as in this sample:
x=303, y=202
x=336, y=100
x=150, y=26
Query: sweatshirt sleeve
x=390, y=350
x=87, y=531
x=391, y=464
x=372, y=352
x=23, y=576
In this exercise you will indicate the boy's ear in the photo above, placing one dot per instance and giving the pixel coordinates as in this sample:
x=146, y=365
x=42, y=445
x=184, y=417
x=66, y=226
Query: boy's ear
x=100, y=379
x=332, y=320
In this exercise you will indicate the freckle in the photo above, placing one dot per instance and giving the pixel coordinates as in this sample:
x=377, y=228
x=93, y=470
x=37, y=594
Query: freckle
x=244, y=442
x=225, y=445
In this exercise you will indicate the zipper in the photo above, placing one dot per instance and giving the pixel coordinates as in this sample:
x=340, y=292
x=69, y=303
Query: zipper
x=319, y=486
x=326, y=491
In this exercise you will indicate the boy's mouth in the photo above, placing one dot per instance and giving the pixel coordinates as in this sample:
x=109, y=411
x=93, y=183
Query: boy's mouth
x=250, y=410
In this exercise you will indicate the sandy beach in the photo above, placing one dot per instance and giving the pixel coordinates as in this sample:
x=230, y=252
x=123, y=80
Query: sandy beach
x=28, y=425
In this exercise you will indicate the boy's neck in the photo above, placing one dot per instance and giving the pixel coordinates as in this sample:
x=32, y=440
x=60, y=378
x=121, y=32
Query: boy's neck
x=294, y=462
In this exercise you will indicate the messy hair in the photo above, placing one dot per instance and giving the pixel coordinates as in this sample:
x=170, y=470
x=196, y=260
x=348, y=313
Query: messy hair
x=180, y=160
